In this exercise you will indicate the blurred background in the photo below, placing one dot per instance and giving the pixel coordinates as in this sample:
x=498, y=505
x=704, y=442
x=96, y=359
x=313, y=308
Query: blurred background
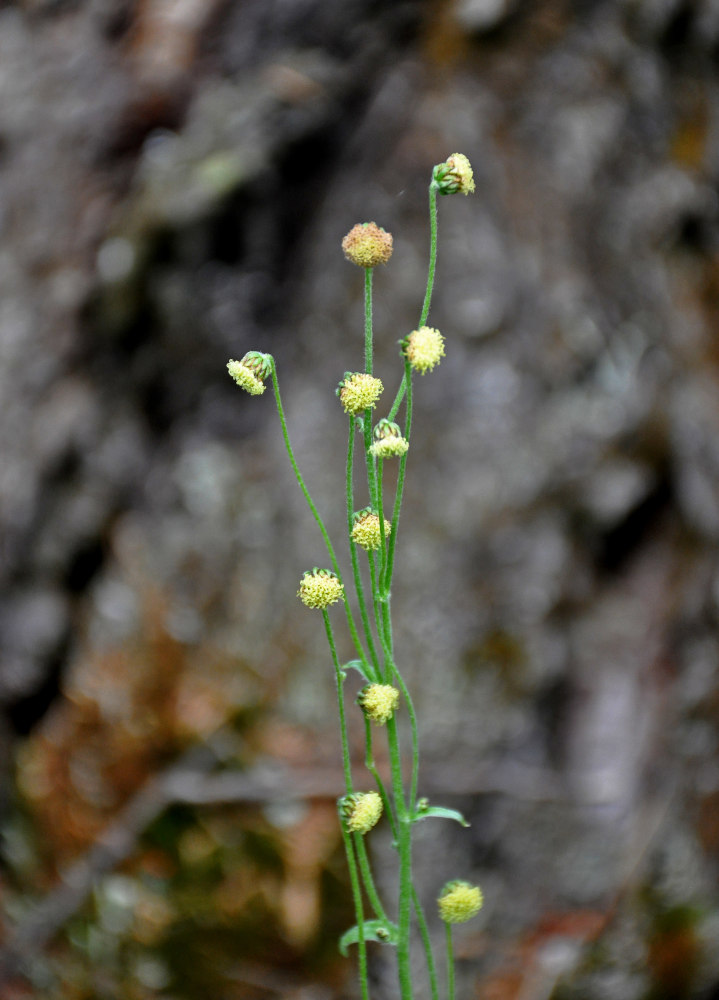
x=175, y=180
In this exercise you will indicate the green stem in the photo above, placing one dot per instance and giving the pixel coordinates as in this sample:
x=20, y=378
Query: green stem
x=359, y=910
x=313, y=509
x=372, y=768
x=415, y=737
x=347, y=768
x=368, y=320
x=432, y=251
x=359, y=586
x=369, y=885
x=404, y=845
x=450, y=962
x=346, y=764
x=426, y=941
x=377, y=613
x=430, y=284
x=386, y=582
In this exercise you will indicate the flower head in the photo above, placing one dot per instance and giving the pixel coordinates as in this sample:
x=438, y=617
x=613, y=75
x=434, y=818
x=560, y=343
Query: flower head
x=423, y=348
x=251, y=372
x=320, y=588
x=361, y=810
x=358, y=392
x=378, y=702
x=367, y=245
x=366, y=530
x=454, y=175
x=459, y=901
x=388, y=441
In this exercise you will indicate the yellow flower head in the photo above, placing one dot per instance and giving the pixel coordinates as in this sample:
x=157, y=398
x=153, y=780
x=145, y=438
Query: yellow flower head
x=423, y=348
x=366, y=530
x=358, y=392
x=459, y=901
x=320, y=588
x=454, y=175
x=378, y=702
x=388, y=441
x=361, y=811
x=367, y=245
x=251, y=372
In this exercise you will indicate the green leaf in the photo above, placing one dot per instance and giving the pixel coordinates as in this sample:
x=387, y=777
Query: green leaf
x=354, y=665
x=427, y=812
x=374, y=930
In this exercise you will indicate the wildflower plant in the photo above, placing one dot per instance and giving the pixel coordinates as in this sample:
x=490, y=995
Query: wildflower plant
x=384, y=696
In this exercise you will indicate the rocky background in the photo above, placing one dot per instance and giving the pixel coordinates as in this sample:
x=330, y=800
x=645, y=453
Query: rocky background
x=175, y=180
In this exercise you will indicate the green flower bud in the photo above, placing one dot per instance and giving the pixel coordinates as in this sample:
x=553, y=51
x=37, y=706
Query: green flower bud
x=454, y=175
x=378, y=702
x=359, y=392
x=388, y=441
x=320, y=588
x=459, y=901
x=361, y=811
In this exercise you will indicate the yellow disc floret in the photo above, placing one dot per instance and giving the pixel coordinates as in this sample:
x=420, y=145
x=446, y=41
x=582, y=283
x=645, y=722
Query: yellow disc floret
x=423, y=348
x=459, y=901
x=378, y=702
x=367, y=245
x=251, y=372
x=388, y=441
x=359, y=392
x=361, y=811
x=454, y=176
x=367, y=531
x=320, y=588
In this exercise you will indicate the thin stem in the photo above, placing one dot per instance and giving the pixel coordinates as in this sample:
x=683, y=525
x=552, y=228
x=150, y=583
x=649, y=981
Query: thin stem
x=450, y=962
x=432, y=252
x=359, y=586
x=347, y=768
x=430, y=284
x=313, y=509
x=376, y=606
x=359, y=910
x=372, y=768
x=369, y=885
x=368, y=320
x=415, y=738
x=427, y=942
x=404, y=845
x=399, y=492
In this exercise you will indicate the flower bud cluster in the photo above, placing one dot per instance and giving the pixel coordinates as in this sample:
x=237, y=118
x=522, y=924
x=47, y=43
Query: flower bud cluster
x=459, y=901
x=361, y=811
x=378, y=702
x=320, y=588
x=367, y=245
x=359, y=392
x=454, y=176
x=423, y=348
x=366, y=530
x=388, y=441
x=251, y=373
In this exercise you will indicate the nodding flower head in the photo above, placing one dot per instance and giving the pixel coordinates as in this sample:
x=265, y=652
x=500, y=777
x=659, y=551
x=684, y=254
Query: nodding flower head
x=454, y=175
x=378, y=702
x=360, y=811
x=358, y=392
x=367, y=245
x=423, y=348
x=367, y=531
x=251, y=372
x=459, y=901
x=388, y=441
x=320, y=588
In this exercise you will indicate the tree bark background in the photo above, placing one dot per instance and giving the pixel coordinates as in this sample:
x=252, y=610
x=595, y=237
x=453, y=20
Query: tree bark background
x=175, y=180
